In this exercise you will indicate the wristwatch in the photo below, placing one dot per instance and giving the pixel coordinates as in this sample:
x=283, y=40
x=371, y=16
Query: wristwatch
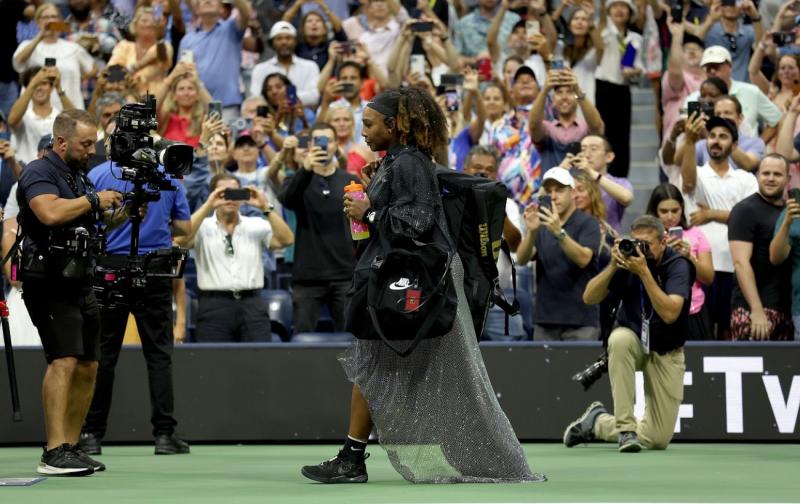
x=561, y=235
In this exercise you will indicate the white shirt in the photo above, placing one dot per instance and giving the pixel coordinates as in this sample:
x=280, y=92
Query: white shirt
x=720, y=193
x=71, y=61
x=29, y=131
x=243, y=270
x=303, y=73
x=610, y=67
x=755, y=105
x=11, y=209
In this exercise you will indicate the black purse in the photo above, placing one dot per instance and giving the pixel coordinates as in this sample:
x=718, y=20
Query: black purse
x=410, y=293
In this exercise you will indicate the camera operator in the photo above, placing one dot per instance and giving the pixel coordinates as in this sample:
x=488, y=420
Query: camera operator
x=57, y=201
x=150, y=305
x=654, y=284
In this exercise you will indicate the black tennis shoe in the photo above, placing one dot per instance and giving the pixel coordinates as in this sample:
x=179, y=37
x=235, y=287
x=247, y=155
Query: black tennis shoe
x=63, y=461
x=90, y=444
x=96, y=465
x=582, y=429
x=340, y=469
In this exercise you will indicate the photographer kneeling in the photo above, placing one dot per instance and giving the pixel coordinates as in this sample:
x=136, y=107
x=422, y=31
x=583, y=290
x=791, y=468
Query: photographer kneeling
x=654, y=284
x=59, y=213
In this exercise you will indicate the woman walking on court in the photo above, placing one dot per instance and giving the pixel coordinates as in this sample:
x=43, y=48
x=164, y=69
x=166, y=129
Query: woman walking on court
x=435, y=411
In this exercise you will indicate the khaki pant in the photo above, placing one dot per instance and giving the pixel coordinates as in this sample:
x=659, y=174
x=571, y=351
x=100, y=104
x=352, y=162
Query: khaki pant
x=663, y=391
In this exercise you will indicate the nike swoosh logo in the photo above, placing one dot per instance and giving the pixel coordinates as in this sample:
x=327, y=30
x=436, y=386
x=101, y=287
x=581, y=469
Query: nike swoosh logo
x=401, y=284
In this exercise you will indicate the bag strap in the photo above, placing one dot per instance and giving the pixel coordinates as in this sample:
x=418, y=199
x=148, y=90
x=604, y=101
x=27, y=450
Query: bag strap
x=423, y=330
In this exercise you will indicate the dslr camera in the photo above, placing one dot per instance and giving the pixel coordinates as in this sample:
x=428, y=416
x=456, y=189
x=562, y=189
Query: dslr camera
x=630, y=247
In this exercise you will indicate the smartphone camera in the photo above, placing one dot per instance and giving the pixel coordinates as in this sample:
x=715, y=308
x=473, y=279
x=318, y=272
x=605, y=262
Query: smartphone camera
x=215, y=109
x=49, y=62
x=795, y=195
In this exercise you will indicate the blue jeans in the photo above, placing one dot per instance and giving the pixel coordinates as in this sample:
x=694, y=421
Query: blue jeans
x=9, y=92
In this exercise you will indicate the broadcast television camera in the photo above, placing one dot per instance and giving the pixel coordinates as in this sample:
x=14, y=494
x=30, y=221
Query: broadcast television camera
x=139, y=158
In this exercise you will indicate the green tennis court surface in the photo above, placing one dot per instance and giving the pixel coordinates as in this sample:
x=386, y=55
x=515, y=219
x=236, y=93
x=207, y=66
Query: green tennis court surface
x=271, y=474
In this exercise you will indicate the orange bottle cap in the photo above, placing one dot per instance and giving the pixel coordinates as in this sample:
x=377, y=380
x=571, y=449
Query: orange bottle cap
x=353, y=187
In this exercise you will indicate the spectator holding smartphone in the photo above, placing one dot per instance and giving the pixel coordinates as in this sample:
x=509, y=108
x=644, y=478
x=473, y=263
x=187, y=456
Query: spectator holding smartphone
x=33, y=114
x=323, y=259
x=182, y=105
x=147, y=58
x=230, y=273
x=284, y=106
x=564, y=242
x=552, y=137
x=345, y=88
x=666, y=203
x=786, y=79
x=583, y=50
x=302, y=73
x=724, y=27
x=72, y=60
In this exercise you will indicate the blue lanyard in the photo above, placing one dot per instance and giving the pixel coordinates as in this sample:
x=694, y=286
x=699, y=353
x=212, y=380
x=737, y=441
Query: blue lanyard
x=641, y=303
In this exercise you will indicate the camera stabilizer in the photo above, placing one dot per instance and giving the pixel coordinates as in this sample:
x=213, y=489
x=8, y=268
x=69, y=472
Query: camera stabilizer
x=139, y=157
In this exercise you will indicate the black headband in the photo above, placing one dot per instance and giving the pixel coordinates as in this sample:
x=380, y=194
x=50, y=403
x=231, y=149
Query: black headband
x=387, y=103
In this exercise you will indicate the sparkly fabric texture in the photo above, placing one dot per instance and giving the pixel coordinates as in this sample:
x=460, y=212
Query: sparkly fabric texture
x=436, y=412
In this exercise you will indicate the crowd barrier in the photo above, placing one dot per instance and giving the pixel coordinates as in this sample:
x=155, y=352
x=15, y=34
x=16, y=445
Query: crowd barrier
x=289, y=392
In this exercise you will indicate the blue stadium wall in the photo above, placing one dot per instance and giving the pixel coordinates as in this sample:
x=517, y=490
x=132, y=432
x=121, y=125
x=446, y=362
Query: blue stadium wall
x=288, y=392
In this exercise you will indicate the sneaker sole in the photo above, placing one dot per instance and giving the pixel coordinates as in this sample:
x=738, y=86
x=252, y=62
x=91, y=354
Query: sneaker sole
x=337, y=479
x=630, y=448
x=171, y=452
x=60, y=471
x=580, y=419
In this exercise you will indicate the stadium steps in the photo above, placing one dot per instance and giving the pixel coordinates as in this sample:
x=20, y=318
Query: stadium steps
x=643, y=172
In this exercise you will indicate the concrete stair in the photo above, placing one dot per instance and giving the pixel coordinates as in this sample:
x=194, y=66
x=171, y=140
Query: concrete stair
x=644, y=145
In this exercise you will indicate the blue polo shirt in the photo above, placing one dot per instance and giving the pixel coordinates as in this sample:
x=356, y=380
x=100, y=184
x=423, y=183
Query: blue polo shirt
x=155, y=232
x=740, y=45
x=218, y=57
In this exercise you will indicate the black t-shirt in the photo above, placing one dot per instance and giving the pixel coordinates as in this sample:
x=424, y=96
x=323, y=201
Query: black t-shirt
x=674, y=274
x=323, y=243
x=753, y=220
x=559, y=281
x=50, y=175
x=12, y=13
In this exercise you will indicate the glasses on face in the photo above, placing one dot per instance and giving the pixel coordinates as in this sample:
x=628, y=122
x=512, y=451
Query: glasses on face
x=229, y=245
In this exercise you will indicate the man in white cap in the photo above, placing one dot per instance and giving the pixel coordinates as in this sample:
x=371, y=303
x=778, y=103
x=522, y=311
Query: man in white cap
x=216, y=46
x=755, y=105
x=724, y=27
x=564, y=241
x=303, y=73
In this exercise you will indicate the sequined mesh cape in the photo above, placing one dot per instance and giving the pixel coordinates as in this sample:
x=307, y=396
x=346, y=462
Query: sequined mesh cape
x=435, y=411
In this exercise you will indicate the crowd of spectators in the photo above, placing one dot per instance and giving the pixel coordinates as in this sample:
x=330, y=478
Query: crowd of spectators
x=537, y=93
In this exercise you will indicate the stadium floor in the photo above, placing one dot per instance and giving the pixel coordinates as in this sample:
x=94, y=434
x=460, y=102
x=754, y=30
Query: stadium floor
x=270, y=473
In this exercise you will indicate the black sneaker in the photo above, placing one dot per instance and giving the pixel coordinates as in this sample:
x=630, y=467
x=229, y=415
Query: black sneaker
x=90, y=444
x=170, y=444
x=62, y=461
x=629, y=442
x=96, y=465
x=339, y=469
x=582, y=429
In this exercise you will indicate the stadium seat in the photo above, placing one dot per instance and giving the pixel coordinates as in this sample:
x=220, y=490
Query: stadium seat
x=322, y=337
x=280, y=312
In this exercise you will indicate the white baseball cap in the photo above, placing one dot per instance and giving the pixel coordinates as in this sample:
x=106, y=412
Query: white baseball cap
x=282, y=28
x=560, y=175
x=629, y=3
x=715, y=54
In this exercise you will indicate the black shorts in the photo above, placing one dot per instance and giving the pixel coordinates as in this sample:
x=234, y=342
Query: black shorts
x=68, y=320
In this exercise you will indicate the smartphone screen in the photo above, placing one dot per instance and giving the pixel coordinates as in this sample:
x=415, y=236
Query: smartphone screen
x=262, y=111
x=417, y=65
x=545, y=201
x=676, y=232
x=302, y=141
x=451, y=99
x=237, y=194
x=187, y=56
x=49, y=62
x=557, y=64
x=321, y=142
x=347, y=88
x=574, y=148
x=533, y=27
x=694, y=108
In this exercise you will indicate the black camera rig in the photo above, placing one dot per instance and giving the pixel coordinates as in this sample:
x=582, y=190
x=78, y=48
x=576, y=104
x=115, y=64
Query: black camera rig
x=139, y=158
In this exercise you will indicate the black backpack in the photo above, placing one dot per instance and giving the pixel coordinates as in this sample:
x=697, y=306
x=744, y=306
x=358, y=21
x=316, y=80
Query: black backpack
x=475, y=208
